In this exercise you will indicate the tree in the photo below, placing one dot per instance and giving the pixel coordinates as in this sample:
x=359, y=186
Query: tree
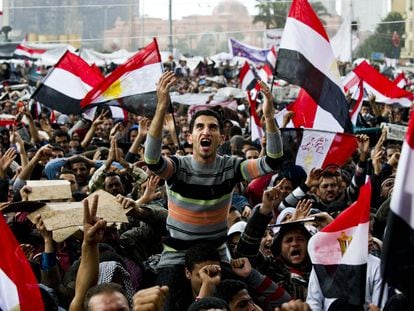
x=274, y=13
x=380, y=41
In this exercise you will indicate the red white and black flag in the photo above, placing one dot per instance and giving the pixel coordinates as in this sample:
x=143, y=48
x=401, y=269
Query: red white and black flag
x=398, y=249
x=132, y=84
x=18, y=286
x=67, y=84
x=339, y=252
x=305, y=58
x=248, y=81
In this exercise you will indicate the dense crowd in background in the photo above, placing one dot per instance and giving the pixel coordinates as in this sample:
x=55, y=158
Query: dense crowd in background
x=266, y=263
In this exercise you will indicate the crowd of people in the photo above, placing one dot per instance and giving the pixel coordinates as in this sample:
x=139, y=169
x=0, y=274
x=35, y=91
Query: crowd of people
x=216, y=221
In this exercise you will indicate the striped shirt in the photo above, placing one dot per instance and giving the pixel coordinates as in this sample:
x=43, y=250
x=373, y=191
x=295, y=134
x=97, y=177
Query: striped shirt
x=199, y=195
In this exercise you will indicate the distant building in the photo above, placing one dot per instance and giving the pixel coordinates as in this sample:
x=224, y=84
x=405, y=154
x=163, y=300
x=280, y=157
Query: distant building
x=191, y=34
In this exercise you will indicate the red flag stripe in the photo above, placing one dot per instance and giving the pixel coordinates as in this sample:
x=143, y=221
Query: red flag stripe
x=302, y=11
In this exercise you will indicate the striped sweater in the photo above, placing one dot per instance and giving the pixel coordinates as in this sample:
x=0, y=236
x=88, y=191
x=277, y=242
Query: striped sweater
x=199, y=195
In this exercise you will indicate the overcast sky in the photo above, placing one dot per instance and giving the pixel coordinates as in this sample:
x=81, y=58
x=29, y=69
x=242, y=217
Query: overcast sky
x=159, y=8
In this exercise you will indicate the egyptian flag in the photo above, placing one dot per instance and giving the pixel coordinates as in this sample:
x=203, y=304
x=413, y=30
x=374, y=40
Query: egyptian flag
x=132, y=83
x=24, y=51
x=308, y=114
x=266, y=72
x=67, y=84
x=7, y=119
x=339, y=253
x=400, y=81
x=305, y=58
x=248, y=82
x=385, y=90
x=398, y=250
x=18, y=286
x=319, y=149
x=358, y=96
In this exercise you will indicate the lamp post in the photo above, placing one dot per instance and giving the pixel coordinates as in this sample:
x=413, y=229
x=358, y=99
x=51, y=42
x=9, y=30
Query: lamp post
x=170, y=39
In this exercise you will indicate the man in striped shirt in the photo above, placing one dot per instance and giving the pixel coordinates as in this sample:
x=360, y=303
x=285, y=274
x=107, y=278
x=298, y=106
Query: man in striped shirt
x=200, y=186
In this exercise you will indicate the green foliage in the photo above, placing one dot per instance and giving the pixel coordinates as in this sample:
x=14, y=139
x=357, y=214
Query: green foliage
x=380, y=41
x=274, y=13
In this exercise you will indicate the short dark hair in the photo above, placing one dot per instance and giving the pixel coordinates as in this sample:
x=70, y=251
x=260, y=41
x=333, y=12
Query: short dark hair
x=102, y=289
x=207, y=112
x=112, y=174
x=78, y=159
x=199, y=253
x=65, y=171
x=59, y=133
x=207, y=303
x=57, y=148
x=227, y=289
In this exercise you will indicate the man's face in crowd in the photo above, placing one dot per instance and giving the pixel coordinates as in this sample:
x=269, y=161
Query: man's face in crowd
x=108, y=124
x=72, y=179
x=57, y=154
x=133, y=135
x=81, y=172
x=252, y=154
x=194, y=275
x=285, y=188
x=108, y=302
x=266, y=243
x=113, y=185
x=328, y=189
x=293, y=247
x=165, y=152
x=206, y=138
x=63, y=142
x=243, y=302
x=100, y=131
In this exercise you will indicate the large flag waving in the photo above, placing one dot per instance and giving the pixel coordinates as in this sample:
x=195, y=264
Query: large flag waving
x=18, y=286
x=133, y=82
x=67, y=84
x=398, y=251
x=339, y=253
x=385, y=90
x=305, y=58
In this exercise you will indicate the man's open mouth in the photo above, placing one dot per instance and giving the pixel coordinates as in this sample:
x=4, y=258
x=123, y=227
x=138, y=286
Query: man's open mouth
x=205, y=142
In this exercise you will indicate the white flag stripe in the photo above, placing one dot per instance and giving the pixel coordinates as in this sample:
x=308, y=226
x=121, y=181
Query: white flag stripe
x=402, y=199
x=67, y=83
x=313, y=149
x=324, y=247
x=9, y=296
x=326, y=121
x=312, y=46
x=142, y=80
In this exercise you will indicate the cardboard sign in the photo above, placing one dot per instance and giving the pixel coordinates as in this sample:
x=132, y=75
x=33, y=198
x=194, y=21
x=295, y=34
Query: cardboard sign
x=394, y=131
x=49, y=190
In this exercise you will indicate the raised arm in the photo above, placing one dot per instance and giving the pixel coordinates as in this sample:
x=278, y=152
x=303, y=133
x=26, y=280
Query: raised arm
x=88, y=273
x=152, y=154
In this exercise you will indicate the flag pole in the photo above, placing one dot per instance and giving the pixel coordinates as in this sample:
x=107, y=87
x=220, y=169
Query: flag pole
x=171, y=108
x=381, y=293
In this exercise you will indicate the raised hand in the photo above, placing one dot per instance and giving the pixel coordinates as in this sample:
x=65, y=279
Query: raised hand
x=166, y=81
x=302, y=210
x=313, y=177
x=271, y=198
x=6, y=160
x=93, y=227
x=241, y=267
x=268, y=109
x=150, y=299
